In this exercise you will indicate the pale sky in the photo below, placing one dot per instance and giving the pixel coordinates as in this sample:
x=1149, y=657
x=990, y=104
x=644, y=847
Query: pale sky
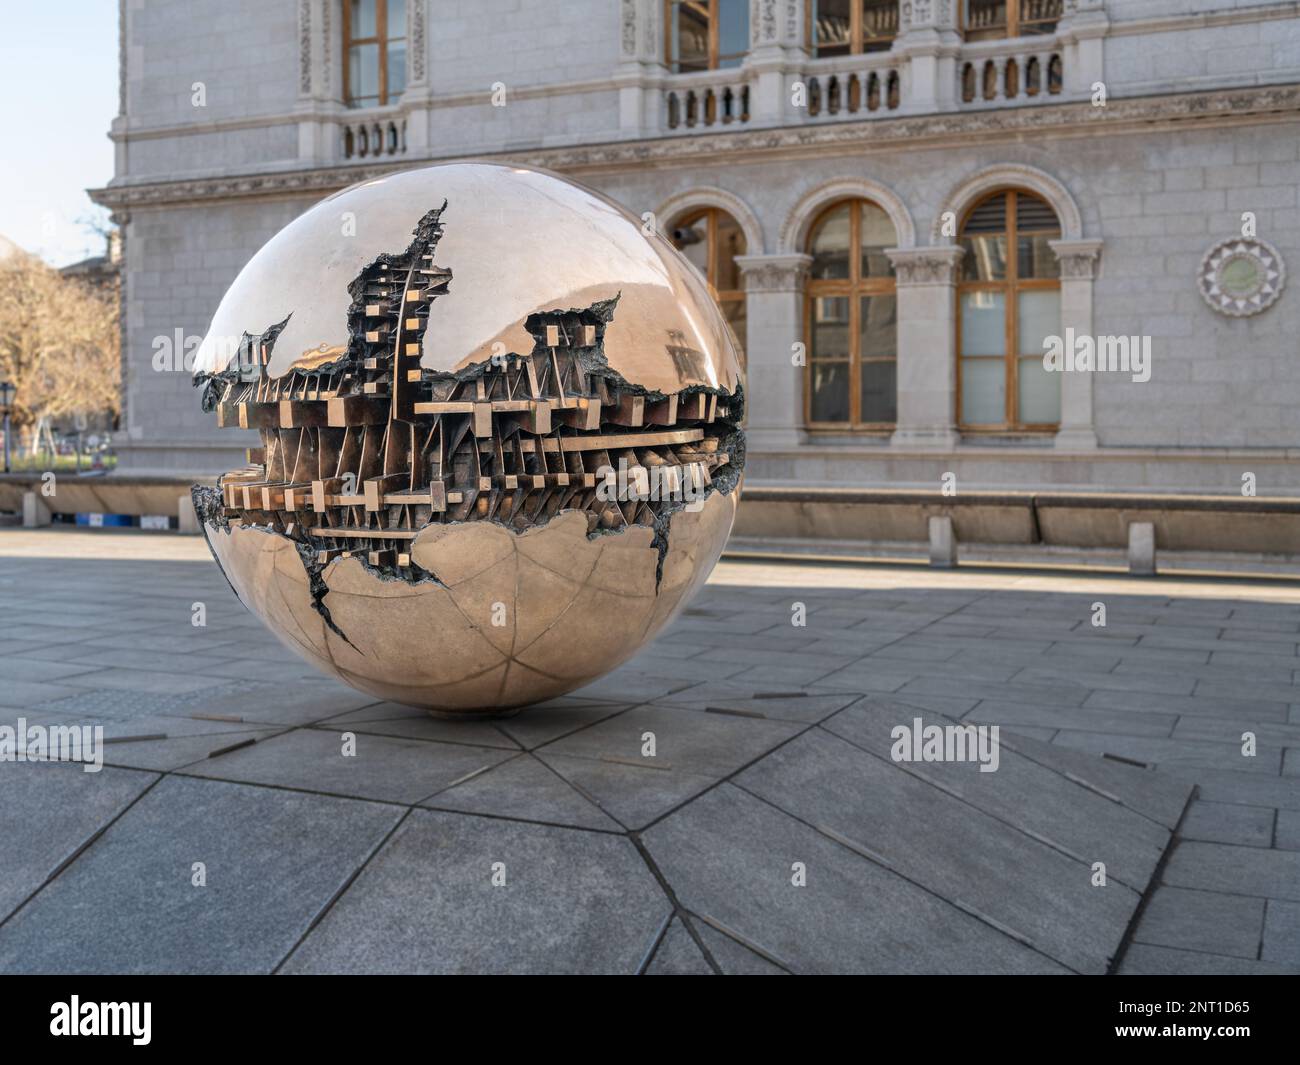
x=58, y=94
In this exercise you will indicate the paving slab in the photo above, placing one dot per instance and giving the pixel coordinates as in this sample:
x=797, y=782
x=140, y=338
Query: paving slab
x=1168, y=754
x=281, y=704
x=790, y=702
x=701, y=743
x=1204, y=921
x=1248, y=709
x=16, y=667
x=1232, y=731
x=1183, y=669
x=48, y=812
x=634, y=795
x=678, y=954
x=550, y=720
x=1273, y=874
x=524, y=788
x=1231, y=786
x=570, y=902
x=1221, y=822
x=1132, y=723
x=177, y=752
x=273, y=861
x=1287, y=831
x=731, y=956
x=145, y=680
x=1144, y=960
x=384, y=768
x=394, y=719
x=1282, y=934
x=951, y=848
x=729, y=856
x=1044, y=795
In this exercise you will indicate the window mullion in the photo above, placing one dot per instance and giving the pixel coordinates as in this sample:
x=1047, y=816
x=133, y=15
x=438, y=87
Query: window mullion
x=711, y=236
x=1013, y=316
x=381, y=39
x=855, y=357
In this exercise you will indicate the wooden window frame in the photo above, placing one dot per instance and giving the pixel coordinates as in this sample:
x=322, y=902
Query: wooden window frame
x=853, y=287
x=381, y=39
x=713, y=250
x=1012, y=285
x=1013, y=28
x=857, y=43
x=711, y=17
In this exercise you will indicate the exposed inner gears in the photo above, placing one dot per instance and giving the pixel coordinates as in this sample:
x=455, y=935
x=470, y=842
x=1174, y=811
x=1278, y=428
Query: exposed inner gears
x=363, y=448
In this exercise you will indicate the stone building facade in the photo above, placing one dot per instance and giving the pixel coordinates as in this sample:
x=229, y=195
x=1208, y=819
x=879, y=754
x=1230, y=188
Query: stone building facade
x=898, y=204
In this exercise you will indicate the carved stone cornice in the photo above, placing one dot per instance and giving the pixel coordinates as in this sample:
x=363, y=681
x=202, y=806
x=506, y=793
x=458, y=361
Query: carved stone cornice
x=774, y=273
x=1078, y=258
x=925, y=266
x=1271, y=103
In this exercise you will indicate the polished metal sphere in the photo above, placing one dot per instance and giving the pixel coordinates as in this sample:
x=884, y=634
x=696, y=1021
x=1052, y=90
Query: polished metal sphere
x=501, y=440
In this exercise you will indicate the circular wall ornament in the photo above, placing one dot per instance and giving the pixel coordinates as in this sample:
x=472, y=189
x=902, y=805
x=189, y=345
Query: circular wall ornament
x=1241, y=277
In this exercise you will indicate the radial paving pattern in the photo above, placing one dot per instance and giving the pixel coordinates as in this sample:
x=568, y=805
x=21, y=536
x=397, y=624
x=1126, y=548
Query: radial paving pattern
x=551, y=842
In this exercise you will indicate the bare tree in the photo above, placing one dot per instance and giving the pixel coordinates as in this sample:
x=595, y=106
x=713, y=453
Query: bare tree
x=59, y=343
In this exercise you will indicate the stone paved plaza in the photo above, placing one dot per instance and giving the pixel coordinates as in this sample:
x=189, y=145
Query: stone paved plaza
x=550, y=842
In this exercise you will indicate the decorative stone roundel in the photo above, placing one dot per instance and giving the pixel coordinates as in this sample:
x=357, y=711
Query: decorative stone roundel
x=1241, y=277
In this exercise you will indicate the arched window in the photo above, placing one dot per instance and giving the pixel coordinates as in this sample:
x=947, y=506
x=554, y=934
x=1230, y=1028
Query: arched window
x=1009, y=300
x=712, y=239
x=851, y=319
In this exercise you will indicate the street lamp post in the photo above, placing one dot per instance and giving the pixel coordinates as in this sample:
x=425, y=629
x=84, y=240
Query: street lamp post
x=6, y=405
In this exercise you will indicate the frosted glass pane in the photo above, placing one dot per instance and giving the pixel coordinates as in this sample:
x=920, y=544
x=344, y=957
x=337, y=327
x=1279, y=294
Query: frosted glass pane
x=983, y=392
x=983, y=323
x=1040, y=316
x=1039, y=393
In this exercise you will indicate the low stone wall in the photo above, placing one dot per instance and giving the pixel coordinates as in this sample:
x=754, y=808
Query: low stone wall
x=1179, y=523
x=98, y=494
x=1080, y=520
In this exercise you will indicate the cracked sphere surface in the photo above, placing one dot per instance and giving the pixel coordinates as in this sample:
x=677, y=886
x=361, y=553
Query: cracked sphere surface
x=500, y=427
